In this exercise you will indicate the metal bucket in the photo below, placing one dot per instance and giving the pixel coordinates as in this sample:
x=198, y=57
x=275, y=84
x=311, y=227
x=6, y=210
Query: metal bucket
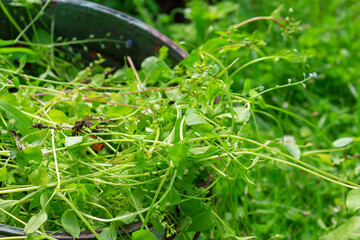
x=80, y=19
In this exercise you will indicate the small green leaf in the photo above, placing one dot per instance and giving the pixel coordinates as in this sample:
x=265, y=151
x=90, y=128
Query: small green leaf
x=35, y=222
x=294, y=57
x=21, y=65
x=353, y=200
x=70, y=141
x=3, y=174
x=10, y=98
x=242, y=114
x=108, y=233
x=213, y=44
x=33, y=236
x=83, y=74
x=245, y=238
x=7, y=205
x=293, y=150
x=164, y=67
x=202, y=221
x=254, y=161
x=343, y=142
x=276, y=13
x=35, y=201
x=173, y=94
x=22, y=122
x=247, y=86
x=199, y=150
x=39, y=177
x=117, y=111
x=200, y=213
x=185, y=223
x=336, y=157
x=149, y=65
x=193, y=57
x=29, y=154
x=82, y=110
x=57, y=116
x=98, y=80
x=163, y=52
x=194, y=117
x=33, y=153
x=137, y=196
x=156, y=224
x=244, y=130
x=44, y=198
x=174, y=196
x=43, y=36
x=215, y=70
x=70, y=223
x=141, y=163
x=177, y=153
x=349, y=230
x=16, y=82
x=143, y=235
x=204, y=127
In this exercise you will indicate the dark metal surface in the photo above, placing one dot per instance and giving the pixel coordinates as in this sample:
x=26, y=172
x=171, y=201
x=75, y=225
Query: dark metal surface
x=80, y=19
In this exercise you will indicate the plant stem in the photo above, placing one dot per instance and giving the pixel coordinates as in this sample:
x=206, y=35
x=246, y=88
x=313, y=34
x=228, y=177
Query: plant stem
x=156, y=195
x=40, y=13
x=55, y=160
x=78, y=213
x=252, y=62
x=260, y=18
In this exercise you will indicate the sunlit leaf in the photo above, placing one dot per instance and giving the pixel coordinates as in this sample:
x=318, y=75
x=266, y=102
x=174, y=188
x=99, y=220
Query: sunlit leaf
x=349, y=230
x=353, y=200
x=194, y=117
x=22, y=122
x=39, y=177
x=143, y=235
x=108, y=233
x=70, y=223
x=293, y=149
x=276, y=13
x=343, y=142
x=164, y=67
x=21, y=66
x=247, y=86
x=98, y=80
x=70, y=141
x=3, y=174
x=58, y=116
x=177, y=153
x=35, y=222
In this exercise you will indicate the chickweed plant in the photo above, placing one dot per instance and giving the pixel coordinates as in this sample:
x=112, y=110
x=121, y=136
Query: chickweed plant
x=90, y=147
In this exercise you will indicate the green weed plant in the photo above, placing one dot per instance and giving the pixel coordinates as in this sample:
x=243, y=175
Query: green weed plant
x=184, y=149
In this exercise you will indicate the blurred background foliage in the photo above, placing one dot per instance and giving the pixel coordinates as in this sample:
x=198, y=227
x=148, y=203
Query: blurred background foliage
x=323, y=38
